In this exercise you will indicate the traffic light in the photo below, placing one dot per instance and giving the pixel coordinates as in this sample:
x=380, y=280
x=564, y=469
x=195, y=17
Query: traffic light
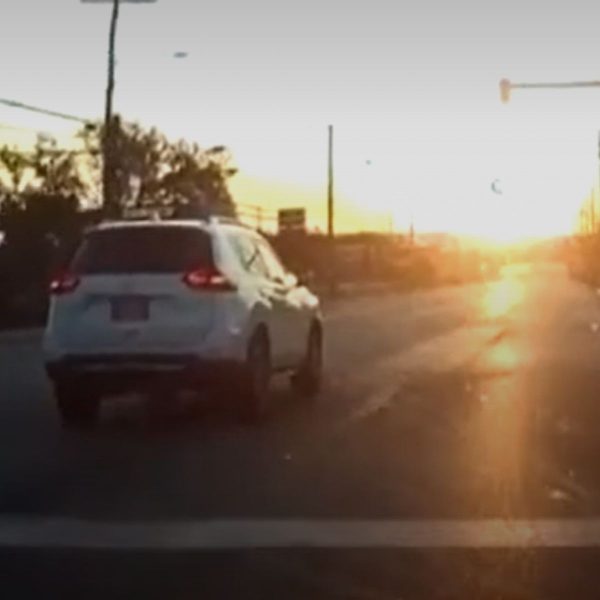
x=505, y=90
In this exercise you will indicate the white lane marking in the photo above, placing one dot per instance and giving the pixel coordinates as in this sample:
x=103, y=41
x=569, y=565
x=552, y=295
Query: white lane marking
x=18, y=532
x=442, y=353
x=375, y=403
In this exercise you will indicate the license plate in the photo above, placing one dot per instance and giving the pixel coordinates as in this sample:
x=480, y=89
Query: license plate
x=129, y=308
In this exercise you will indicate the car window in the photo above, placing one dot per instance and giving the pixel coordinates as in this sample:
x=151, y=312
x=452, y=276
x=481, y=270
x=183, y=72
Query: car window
x=248, y=254
x=143, y=250
x=274, y=267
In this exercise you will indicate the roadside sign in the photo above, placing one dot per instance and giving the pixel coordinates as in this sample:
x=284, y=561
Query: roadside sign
x=291, y=219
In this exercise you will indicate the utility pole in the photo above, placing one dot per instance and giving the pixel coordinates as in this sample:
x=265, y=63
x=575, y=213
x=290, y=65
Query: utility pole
x=330, y=213
x=593, y=188
x=110, y=207
x=110, y=86
x=506, y=87
x=45, y=111
x=259, y=218
x=110, y=125
x=330, y=232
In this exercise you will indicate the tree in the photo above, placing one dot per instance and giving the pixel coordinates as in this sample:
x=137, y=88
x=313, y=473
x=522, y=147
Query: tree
x=199, y=178
x=56, y=172
x=43, y=192
x=151, y=171
x=39, y=208
x=14, y=166
x=40, y=190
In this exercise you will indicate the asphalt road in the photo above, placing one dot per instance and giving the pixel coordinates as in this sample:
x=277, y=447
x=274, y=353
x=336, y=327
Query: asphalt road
x=453, y=453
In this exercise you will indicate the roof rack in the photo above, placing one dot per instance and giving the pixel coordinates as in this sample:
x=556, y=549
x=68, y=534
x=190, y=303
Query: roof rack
x=148, y=214
x=224, y=219
x=221, y=219
x=167, y=213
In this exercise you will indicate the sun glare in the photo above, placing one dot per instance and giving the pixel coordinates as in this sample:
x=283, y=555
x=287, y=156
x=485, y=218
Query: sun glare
x=503, y=296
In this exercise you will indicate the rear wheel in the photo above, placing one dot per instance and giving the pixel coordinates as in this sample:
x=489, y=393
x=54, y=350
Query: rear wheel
x=77, y=409
x=256, y=375
x=307, y=380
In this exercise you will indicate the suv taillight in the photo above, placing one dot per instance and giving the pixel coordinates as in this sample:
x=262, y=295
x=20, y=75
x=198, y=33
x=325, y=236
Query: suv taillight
x=65, y=283
x=207, y=279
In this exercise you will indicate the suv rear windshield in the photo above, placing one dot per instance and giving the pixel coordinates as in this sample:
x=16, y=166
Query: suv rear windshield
x=143, y=250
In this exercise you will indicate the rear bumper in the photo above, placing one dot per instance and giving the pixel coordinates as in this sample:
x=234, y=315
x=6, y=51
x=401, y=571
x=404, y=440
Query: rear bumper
x=126, y=371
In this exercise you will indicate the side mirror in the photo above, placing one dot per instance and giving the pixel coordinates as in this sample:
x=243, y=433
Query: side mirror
x=291, y=281
x=305, y=279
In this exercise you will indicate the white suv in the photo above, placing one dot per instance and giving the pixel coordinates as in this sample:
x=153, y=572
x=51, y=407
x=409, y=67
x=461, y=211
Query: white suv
x=181, y=303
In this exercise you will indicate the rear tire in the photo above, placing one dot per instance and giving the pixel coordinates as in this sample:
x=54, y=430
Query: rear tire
x=254, y=384
x=306, y=382
x=77, y=410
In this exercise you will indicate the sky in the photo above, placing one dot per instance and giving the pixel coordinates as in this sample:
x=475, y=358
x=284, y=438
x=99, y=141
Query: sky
x=410, y=87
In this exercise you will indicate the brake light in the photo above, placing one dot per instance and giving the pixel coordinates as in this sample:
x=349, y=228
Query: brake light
x=65, y=283
x=207, y=279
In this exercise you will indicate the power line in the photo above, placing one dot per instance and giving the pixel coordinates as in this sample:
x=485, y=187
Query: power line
x=44, y=111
